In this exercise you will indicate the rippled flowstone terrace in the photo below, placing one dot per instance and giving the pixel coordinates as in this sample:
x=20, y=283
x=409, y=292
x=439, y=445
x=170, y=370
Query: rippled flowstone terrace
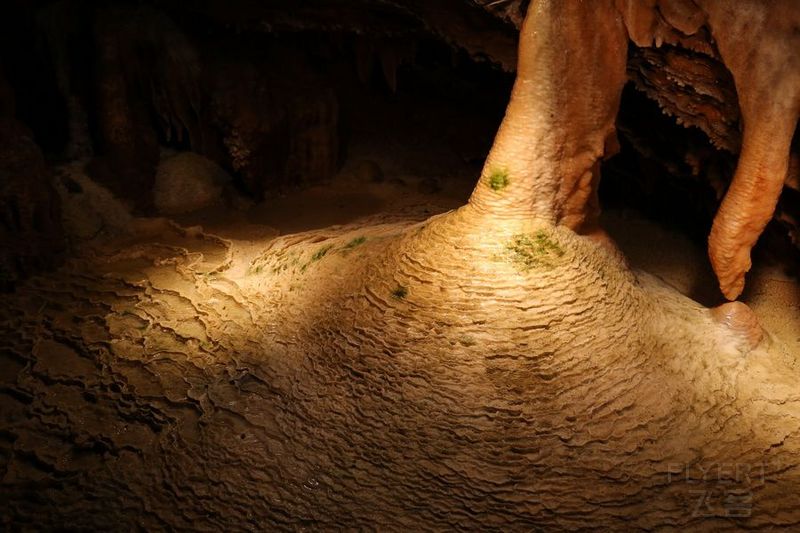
x=164, y=384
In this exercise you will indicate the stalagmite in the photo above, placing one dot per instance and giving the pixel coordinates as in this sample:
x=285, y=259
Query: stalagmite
x=543, y=163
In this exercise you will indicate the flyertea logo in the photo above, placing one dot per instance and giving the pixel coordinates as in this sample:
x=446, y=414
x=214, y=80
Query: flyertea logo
x=721, y=490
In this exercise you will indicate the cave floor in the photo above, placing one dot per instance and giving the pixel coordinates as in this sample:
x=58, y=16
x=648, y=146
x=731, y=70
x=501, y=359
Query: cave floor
x=161, y=364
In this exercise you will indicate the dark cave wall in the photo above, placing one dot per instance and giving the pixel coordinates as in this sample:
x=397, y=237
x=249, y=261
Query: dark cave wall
x=31, y=236
x=263, y=90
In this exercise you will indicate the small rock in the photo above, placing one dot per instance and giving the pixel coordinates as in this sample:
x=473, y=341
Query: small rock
x=88, y=208
x=187, y=182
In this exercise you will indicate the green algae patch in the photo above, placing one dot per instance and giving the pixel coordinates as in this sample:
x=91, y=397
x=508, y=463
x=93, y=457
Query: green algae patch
x=355, y=243
x=319, y=254
x=498, y=180
x=466, y=340
x=400, y=292
x=528, y=251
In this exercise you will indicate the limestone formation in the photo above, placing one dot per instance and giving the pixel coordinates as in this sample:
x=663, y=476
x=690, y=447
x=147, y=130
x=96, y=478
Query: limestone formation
x=488, y=368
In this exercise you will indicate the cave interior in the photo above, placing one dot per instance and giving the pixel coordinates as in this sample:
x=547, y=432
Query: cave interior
x=158, y=157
